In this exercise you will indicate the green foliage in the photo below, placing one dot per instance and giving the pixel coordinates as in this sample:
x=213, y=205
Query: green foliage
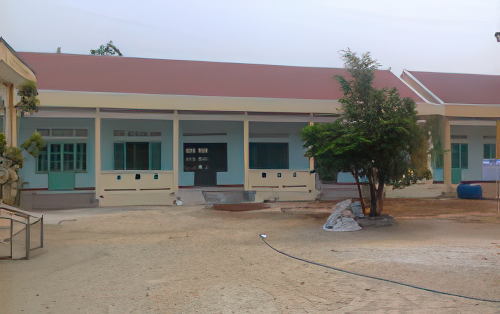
x=14, y=154
x=433, y=127
x=375, y=135
x=334, y=144
x=109, y=49
x=326, y=172
x=3, y=144
x=419, y=157
x=29, y=97
x=34, y=144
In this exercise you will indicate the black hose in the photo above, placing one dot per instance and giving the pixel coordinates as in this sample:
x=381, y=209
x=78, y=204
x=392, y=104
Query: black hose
x=263, y=237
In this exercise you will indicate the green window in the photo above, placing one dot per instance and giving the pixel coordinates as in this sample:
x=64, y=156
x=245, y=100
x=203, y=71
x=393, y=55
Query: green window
x=43, y=160
x=137, y=156
x=155, y=155
x=119, y=156
x=459, y=156
x=489, y=151
x=268, y=155
x=55, y=157
x=81, y=157
x=67, y=157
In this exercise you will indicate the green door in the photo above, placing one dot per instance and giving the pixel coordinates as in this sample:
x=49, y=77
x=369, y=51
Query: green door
x=456, y=175
x=459, y=161
x=62, y=166
x=61, y=180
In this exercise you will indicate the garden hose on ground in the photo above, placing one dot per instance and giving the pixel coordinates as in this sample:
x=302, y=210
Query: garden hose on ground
x=263, y=237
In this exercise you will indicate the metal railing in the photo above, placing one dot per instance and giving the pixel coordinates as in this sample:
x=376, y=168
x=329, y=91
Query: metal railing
x=25, y=218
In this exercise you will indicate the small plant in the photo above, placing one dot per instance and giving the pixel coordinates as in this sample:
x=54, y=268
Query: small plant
x=109, y=49
x=34, y=144
x=29, y=101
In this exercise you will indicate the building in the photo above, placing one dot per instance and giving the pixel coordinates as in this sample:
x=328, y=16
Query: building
x=469, y=106
x=132, y=131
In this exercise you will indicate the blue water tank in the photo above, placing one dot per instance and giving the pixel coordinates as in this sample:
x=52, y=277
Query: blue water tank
x=469, y=191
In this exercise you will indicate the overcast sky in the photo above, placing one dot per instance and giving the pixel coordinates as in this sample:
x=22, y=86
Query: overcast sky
x=423, y=35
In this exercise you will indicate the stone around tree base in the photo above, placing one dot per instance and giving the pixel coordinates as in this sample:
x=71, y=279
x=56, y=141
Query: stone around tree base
x=384, y=220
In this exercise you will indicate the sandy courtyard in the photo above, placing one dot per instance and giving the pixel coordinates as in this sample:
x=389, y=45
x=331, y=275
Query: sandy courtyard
x=194, y=260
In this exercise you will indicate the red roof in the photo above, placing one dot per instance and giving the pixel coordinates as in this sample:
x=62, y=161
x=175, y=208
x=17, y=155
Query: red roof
x=173, y=77
x=457, y=88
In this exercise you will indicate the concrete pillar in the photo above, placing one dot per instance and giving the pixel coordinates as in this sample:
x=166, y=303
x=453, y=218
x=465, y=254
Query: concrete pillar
x=97, y=154
x=311, y=159
x=447, y=153
x=13, y=117
x=497, y=146
x=246, y=151
x=175, y=151
x=7, y=118
x=311, y=166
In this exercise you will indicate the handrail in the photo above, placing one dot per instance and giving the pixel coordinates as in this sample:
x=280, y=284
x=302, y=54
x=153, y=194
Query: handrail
x=19, y=212
x=13, y=212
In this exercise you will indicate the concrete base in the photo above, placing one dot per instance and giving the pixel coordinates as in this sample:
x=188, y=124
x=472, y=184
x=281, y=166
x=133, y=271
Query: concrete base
x=282, y=196
x=194, y=195
x=57, y=200
x=384, y=220
x=134, y=199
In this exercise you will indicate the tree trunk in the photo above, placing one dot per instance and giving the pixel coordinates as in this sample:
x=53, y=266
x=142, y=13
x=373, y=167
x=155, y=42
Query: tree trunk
x=356, y=177
x=380, y=193
x=373, y=196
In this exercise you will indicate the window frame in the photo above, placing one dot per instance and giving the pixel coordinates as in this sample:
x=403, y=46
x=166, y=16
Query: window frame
x=150, y=155
x=286, y=158
x=48, y=153
x=462, y=148
x=492, y=150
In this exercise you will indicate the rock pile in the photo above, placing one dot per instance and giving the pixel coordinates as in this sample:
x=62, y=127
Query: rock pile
x=342, y=218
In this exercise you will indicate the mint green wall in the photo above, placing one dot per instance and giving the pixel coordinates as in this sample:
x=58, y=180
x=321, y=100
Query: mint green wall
x=437, y=175
x=235, y=162
x=107, y=138
x=27, y=126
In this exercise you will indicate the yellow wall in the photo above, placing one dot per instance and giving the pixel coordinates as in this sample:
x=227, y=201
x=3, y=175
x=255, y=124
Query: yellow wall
x=128, y=190
x=179, y=102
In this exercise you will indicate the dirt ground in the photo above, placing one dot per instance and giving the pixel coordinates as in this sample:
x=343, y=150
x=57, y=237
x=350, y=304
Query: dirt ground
x=194, y=260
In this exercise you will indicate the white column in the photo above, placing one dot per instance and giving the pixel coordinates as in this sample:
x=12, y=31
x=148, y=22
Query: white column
x=15, y=127
x=311, y=166
x=246, y=151
x=97, y=153
x=13, y=116
x=175, y=151
x=7, y=118
x=447, y=154
x=497, y=147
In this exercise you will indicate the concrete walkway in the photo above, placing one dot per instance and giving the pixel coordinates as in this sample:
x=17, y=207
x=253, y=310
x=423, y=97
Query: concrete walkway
x=192, y=197
x=55, y=217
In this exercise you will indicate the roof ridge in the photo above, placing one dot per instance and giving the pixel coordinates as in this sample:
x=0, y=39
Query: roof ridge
x=453, y=73
x=198, y=61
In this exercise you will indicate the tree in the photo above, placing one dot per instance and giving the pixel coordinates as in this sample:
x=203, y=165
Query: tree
x=11, y=157
x=29, y=101
x=375, y=134
x=109, y=49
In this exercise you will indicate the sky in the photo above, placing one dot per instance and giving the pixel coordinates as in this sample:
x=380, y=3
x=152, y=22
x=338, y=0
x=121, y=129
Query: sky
x=421, y=35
